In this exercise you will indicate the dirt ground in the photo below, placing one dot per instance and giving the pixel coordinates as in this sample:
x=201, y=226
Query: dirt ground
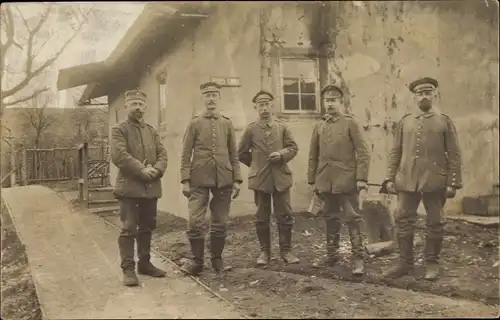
x=280, y=291
x=19, y=299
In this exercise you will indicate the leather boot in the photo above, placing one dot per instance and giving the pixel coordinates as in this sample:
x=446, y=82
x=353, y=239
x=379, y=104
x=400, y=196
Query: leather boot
x=405, y=264
x=194, y=266
x=144, y=266
x=285, y=242
x=332, y=242
x=432, y=251
x=216, y=248
x=357, y=248
x=264, y=236
x=126, y=247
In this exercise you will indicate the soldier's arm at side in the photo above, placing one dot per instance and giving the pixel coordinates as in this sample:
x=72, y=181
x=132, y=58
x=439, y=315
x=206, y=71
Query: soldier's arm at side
x=291, y=148
x=120, y=156
x=395, y=153
x=187, y=151
x=454, y=154
x=161, y=155
x=245, y=148
x=233, y=154
x=362, y=151
x=312, y=166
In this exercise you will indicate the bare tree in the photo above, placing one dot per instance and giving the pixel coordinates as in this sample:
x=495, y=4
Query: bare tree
x=24, y=38
x=37, y=118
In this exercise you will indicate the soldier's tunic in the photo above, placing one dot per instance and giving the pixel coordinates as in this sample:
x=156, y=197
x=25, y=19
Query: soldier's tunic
x=424, y=160
x=133, y=146
x=258, y=141
x=210, y=163
x=339, y=157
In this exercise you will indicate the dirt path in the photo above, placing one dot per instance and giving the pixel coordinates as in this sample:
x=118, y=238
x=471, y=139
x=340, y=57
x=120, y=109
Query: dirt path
x=282, y=291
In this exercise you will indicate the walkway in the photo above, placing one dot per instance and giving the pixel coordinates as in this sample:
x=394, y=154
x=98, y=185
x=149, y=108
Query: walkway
x=74, y=261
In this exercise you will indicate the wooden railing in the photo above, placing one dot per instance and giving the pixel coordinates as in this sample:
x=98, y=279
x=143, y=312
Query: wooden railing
x=92, y=173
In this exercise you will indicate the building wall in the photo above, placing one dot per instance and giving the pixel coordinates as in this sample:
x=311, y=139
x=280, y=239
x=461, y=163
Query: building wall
x=374, y=49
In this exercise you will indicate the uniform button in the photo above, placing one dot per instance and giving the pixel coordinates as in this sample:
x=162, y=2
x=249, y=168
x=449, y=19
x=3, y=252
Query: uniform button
x=454, y=174
x=416, y=157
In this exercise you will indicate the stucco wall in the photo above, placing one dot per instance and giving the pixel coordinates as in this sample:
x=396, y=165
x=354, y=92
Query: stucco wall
x=375, y=49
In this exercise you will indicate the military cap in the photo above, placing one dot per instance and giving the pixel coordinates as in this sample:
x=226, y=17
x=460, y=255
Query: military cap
x=262, y=95
x=135, y=95
x=331, y=87
x=423, y=84
x=210, y=87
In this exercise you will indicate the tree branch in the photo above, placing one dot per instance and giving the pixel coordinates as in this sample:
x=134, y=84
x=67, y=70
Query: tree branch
x=24, y=99
x=30, y=73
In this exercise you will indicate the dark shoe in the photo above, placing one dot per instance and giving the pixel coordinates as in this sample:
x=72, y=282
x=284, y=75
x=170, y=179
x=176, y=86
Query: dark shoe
x=264, y=236
x=331, y=260
x=432, y=271
x=405, y=264
x=285, y=242
x=149, y=269
x=130, y=278
x=359, y=267
x=263, y=258
x=401, y=269
x=290, y=258
x=192, y=268
x=431, y=251
x=216, y=249
x=195, y=266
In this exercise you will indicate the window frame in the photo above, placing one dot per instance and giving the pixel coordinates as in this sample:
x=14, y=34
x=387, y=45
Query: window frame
x=162, y=97
x=316, y=62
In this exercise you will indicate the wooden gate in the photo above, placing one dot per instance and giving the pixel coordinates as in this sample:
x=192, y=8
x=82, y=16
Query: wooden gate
x=94, y=169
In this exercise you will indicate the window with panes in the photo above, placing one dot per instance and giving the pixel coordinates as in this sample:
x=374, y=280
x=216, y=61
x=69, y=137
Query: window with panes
x=300, y=85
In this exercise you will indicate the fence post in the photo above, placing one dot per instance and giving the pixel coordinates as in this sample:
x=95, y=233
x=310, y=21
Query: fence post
x=85, y=172
x=80, y=173
x=24, y=166
x=13, y=165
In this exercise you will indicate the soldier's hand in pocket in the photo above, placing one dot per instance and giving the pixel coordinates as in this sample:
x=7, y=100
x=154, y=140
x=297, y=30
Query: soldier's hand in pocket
x=186, y=189
x=236, y=190
x=451, y=192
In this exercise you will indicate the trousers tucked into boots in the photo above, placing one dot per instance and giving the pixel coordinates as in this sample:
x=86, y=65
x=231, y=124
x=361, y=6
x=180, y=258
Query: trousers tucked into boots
x=264, y=236
x=220, y=205
x=283, y=214
x=216, y=248
x=350, y=206
x=139, y=220
x=405, y=219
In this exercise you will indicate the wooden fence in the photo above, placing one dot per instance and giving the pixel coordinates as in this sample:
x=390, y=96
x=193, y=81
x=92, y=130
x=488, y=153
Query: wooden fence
x=38, y=166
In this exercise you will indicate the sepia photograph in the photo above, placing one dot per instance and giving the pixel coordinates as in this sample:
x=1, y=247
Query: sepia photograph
x=249, y=160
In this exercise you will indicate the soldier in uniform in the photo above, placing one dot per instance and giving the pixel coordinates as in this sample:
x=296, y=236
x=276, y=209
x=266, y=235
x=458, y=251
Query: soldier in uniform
x=209, y=164
x=266, y=146
x=424, y=164
x=138, y=152
x=339, y=160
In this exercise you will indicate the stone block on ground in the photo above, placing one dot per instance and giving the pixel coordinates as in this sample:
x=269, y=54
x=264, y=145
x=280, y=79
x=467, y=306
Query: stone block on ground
x=380, y=248
x=379, y=223
x=489, y=222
